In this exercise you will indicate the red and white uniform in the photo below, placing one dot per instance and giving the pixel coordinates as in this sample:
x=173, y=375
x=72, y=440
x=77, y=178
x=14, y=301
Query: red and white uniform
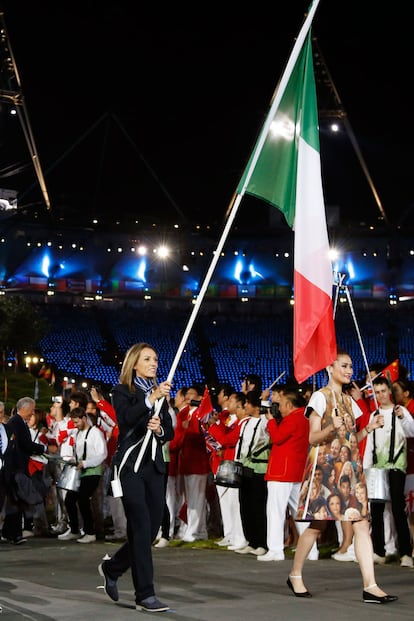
x=65, y=431
x=289, y=448
x=227, y=432
x=193, y=466
x=108, y=423
x=409, y=479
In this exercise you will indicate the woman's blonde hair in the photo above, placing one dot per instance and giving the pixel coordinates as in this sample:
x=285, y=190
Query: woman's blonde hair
x=363, y=486
x=127, y=374
x=347, y=465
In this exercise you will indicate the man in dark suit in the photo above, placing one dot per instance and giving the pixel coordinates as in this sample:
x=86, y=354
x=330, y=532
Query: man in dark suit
x=5, y=470
x=22, y=447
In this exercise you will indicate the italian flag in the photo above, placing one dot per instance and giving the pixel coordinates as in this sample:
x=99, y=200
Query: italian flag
x=284, y=170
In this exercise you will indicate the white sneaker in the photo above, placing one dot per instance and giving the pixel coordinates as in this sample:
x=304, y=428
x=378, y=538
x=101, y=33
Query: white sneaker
x=223, y=542
x=406, y=561
x=59, y=529
x=68, y=536
x=270, y=556
x=87, y=539
x=28, y=533
x=234, y=547
x=245, y=550
x=380, y=560
x=162, y=543
x=343, y=556
x=258, y=551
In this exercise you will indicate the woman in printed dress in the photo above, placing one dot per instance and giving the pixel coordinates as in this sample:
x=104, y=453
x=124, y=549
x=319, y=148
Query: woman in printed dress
x=326, y=411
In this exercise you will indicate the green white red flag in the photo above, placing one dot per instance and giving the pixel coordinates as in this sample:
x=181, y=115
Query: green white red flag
x=284, y=170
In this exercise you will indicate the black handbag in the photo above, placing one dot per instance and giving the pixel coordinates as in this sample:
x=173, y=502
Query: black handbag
x=25, y=489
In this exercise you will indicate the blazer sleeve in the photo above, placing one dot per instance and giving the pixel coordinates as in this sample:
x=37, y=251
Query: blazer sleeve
x=131, y=410
x=24, y=440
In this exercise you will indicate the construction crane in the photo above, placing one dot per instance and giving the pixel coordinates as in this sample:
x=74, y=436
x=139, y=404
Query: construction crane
x=13, y=94
x=338, y=111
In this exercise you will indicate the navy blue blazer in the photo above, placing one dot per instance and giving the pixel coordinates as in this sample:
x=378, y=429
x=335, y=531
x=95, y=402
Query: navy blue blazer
x=23, y=445
x=132, y=414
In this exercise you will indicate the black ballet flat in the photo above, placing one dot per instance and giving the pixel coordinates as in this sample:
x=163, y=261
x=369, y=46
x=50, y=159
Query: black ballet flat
x=304, y=593
x=378, y=599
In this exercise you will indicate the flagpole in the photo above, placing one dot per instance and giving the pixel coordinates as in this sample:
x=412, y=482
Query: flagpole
x=235, y=203
x=369, y=385
x=276, y=380
x=348, y=295
x=280, y=90
x=216, y=255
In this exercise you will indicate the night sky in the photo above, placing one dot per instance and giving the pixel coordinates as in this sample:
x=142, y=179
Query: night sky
x=139, y=108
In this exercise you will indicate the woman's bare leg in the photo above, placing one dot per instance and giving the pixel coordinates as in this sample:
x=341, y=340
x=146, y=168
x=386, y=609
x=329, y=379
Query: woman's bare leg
x=365, y=556
x=304, y=545
x=348, y=534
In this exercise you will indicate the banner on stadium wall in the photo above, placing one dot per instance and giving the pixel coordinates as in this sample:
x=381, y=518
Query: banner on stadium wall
x=380, y=291
x=38, y=282
x=246, y=291
x=362, y=291
x=228, y=291
x=212, y=291
x=265, y=291
x=132, y=285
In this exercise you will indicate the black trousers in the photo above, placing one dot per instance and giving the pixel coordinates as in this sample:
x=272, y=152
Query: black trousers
x=398, y=508
x=82, y=498
x=13, y=521
x=166, y=518
x=253, y=499
x=143, y=499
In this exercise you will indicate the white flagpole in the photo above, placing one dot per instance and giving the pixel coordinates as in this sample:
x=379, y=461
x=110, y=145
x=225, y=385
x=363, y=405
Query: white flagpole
x=276, y=380
x=236, y=203
x=341, y=283
x=369, y=385
x=193, y=316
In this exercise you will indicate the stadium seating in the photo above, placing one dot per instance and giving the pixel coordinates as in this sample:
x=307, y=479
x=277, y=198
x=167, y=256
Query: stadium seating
x=90, y=342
